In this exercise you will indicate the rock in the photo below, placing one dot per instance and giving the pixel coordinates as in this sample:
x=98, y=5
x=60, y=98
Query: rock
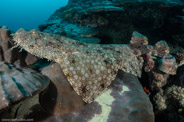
x=5, y=44
x=123, y=101
x=19, y=84
x=20, y=109
x=167, y=64
x=175, y=96
x=11, y=56
x=162, y=48
x=102, y=8
x=157, y=80
x=138, y=39
x=22, y=57
x=171, y=99
x=149, y=63
x=179, y=58
x=30, y=59
x=59, y=98
x=160, y=101
x=145, y=16
x=5, y=33
x=10, y=52
x=47, y=24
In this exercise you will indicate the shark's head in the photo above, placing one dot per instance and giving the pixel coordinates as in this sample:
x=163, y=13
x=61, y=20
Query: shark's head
x=23, y=37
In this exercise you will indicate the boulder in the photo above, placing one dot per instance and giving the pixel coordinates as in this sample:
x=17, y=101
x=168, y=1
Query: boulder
x=59, y=98
x=19, y=84
x=123, y=101
x=30, y=59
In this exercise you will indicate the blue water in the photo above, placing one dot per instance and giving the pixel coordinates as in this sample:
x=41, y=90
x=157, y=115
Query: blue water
x=27, y=14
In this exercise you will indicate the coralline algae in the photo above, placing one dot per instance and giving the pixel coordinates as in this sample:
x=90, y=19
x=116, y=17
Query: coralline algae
x=89, y=68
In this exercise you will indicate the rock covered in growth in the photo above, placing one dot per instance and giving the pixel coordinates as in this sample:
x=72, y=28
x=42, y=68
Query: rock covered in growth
x=179, y=58
x=160, y=101
x=12, y=55
x=123, y=101
x=167, y=64
x=17, y=84
x=30, y=59
x=148, y=16
x=172, y=96
x=59, y=98
x=84, y=34
x=162, y=48
x=102, y=8
x=175, y=94
x=138, y=39
x=89, y=68
x=78, y=2
x=149, y=63
x=157, y=80
x=7, y=53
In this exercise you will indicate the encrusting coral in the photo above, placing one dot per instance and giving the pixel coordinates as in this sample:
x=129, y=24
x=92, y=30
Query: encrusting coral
x=89, y=68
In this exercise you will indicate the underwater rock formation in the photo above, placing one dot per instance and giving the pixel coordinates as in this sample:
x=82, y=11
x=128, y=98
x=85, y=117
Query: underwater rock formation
x=171, y=99
x=13, y=55
x=19, y=84
x=7, y=54
x=123, y=101
x=89, y=68
x=59, y=98
x=114, y=21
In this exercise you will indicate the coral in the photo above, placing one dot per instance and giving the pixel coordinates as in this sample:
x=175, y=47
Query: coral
x=19, y=84
x=102, y=9
x=116, y=18
x=180, y=58
x=176, y=94
x=171, y=98
x=89, y=68
x=138, y=39
x=162, y=48
x=157, y=80
x=149, y=63
x=160, y=102
x=167, y=64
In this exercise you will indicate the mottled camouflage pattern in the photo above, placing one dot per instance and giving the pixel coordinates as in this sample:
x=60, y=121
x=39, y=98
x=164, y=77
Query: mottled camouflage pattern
x=89, y=68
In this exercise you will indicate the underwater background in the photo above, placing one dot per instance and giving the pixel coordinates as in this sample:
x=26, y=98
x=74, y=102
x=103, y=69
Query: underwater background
x=27, y=14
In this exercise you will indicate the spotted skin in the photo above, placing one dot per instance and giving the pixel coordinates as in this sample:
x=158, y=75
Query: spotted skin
x=90, y=68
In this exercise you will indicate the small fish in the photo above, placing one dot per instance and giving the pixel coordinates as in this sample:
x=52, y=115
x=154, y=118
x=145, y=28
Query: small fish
x=147, y=91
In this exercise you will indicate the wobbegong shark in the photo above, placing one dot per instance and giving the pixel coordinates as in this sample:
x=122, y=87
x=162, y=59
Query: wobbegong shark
x=89, y=68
